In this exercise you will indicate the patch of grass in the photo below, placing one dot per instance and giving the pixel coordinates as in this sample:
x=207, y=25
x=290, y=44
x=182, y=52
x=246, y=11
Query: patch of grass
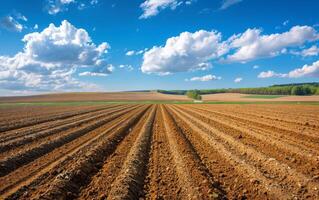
x=263, y=96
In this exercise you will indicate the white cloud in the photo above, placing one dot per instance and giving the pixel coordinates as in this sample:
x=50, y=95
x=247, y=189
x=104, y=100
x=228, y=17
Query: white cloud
x=312, y=51
x=186, y=52
x=305, y=71
x=92, y=74
x=137, y=52
x=99, y=71
x=10, y=24
x=94, y=2
x=127, y=67
x=227, y=3
x=237, y=80
x=255, y=66
x=50, y=58
x=130, y=53
x=252, y=45
x=208, y=77
x=189, y=2
x=269, y=74
x=36, y=26
x=55, y=6
x=153, y=7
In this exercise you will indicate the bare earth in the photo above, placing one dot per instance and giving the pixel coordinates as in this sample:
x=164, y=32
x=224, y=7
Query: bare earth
x=135, y=151
x=240, y=97
x=96, y=96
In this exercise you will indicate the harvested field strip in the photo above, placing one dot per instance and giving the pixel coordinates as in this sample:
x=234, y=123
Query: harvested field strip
x=22, y=140
x=10, y=163
x=16, y=133
x=49, y=170
x=286, y=177
x=33, y=121
x=300, y=159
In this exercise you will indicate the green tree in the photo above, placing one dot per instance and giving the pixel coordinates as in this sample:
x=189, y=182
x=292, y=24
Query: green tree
x=194, y=94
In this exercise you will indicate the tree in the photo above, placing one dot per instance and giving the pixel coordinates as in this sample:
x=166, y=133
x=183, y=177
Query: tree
x=297, y=90
x=194, y=94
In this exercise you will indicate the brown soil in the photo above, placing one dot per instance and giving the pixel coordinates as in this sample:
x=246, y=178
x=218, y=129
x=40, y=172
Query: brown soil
x=93, y=96
x=160, y=152
x=241, y=97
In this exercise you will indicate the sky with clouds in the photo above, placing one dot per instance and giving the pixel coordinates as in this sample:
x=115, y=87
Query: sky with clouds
x=115, y=45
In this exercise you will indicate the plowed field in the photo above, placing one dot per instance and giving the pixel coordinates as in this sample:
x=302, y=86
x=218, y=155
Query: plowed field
x=168, y=151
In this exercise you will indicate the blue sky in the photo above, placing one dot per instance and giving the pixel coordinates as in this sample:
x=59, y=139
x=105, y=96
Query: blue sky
x=116, y=45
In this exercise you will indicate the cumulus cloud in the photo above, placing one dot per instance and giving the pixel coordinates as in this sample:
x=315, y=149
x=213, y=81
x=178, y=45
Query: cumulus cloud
x=50, y=58
x=205, y=78
x=227, y=3
x=10, y=24
x=137, y=52
x=305, y=71
x=153, y=7
x=238, y=80
x=99, y=71
x=311, y=51
x=127, y=67
x=252, y=45
x=130, y=53
x=55, y=6
x=269, y=74
x=195, y=51
x=186, y=52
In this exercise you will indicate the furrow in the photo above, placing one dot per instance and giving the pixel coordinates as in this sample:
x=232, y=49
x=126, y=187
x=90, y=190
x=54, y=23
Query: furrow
x=302, y=159
x=11, y=163
x=50, y=165
x=67, y=184
x=129, y=183
x=40, y=120
x=289, y=179
x=26, y=131
x=55, y=129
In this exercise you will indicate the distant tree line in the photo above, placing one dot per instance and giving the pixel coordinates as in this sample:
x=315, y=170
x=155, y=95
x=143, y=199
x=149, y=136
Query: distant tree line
x=286, y=89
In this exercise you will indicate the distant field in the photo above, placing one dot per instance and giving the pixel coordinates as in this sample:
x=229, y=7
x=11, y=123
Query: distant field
x=75, y=99
x=95, y=96
x=263, y=96
x=248, y=98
